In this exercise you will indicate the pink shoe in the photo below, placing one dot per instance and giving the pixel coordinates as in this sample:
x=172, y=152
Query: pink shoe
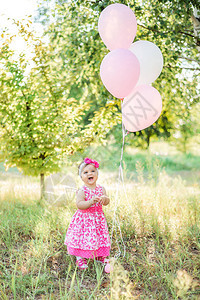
x=103, y=259
x=81, y=263
x=108, y=268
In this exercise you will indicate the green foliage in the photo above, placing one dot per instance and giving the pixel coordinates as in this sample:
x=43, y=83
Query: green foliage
x=168, y=25
x=187, y=127
x=40, y=120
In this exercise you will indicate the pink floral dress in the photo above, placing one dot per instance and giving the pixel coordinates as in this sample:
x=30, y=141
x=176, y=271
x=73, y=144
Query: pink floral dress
x=87, y=235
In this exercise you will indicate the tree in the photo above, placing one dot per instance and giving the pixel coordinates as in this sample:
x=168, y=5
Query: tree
x=166, y=23
x=40, y=121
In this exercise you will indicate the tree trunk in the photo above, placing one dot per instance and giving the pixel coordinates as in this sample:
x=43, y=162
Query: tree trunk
x=42, y=188
x=196, y=23
x=148, y=140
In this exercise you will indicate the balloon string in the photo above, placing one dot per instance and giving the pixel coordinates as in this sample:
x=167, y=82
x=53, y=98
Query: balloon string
x=116, y=222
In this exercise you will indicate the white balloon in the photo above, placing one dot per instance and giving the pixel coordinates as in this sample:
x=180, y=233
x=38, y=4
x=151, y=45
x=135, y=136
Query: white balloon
x=150, y=59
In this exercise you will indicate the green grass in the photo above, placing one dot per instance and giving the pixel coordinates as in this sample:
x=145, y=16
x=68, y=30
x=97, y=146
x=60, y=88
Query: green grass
x=159, y=216
x=159, y=220
x=168, y=158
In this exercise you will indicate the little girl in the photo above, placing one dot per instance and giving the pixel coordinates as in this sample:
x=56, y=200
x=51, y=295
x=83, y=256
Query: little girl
x=87, y=235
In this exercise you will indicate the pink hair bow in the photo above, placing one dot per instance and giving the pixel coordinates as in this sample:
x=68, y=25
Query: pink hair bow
x=91, y=161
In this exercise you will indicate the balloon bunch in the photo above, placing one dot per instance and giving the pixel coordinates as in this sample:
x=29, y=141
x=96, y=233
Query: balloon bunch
x=128, y=70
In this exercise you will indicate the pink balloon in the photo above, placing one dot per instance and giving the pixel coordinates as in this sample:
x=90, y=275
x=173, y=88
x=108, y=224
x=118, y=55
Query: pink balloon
x=117, y=26
x=141, y=108
x=119, y=71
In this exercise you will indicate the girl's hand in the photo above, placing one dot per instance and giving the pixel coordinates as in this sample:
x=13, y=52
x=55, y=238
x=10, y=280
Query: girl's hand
x=103, y=199
x=95, y=199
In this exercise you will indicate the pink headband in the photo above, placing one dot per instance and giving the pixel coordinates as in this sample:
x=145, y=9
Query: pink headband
x=86, y=162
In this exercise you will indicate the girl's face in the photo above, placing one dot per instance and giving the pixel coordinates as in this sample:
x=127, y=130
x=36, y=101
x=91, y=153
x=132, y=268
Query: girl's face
x=89, y=175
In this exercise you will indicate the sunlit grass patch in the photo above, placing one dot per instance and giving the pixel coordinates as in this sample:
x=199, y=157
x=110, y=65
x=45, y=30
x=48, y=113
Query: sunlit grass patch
x=167, y=207
x=17, y=187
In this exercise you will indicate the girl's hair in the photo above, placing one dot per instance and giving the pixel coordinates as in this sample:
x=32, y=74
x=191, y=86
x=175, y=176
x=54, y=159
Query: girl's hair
x=80, y=166
x=87, y=161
